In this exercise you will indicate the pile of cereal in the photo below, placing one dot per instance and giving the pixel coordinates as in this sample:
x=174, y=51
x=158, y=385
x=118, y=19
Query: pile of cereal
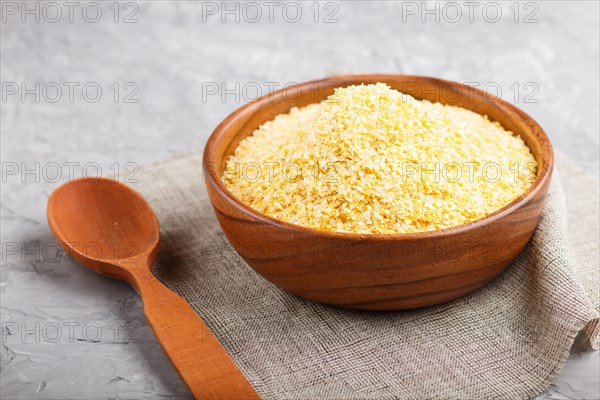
x=370, y=159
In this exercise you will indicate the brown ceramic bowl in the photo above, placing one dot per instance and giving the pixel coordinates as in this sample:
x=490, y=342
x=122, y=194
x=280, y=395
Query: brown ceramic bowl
x=375, y=271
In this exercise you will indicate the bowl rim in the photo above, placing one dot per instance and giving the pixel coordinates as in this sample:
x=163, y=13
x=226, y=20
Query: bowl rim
x=542, y=179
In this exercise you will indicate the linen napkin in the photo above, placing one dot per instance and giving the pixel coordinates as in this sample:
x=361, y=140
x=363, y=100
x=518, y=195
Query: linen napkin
x=506, y=340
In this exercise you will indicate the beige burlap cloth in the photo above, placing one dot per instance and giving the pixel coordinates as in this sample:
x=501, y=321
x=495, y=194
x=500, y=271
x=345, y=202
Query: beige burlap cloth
x=506, y=340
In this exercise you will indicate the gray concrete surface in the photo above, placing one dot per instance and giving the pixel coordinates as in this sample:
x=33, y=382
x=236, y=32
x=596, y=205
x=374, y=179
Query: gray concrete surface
x=168, y=73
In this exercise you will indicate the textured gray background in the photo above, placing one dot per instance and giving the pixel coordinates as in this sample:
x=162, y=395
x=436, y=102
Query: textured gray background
x=59, y=335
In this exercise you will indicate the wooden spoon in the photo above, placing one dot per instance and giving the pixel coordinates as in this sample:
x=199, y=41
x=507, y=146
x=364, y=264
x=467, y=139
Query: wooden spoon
x=112, y=230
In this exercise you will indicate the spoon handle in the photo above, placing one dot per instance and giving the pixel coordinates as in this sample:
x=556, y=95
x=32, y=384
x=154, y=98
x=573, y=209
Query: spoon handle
x=201, y=361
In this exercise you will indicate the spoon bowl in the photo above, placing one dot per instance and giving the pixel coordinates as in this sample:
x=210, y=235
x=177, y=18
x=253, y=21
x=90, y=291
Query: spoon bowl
x=109, y=232
x=112, y=230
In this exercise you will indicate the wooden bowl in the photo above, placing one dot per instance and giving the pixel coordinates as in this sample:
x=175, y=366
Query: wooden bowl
x=377, y=271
